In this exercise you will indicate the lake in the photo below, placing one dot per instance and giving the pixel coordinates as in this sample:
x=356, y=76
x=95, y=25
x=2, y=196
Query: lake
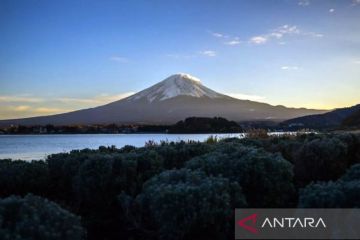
x=28, y=147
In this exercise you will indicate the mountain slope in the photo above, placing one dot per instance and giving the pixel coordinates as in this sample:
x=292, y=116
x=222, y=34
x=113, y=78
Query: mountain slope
x=171, y=100
x=353, y=120
x=326, y=120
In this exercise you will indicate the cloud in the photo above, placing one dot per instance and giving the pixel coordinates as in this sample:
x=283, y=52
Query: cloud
x=181, y=56
x=355, y=2
x=304, y=3
x=76, y=100
x=258, y=40
x=276, y=35
x=291, y=30
x=35, y=107
x=232, y=42
x=100, y=99
x=281, y=32
x=290, y=68
x=286, y=30
x=47, y=110
x=21, y=111
x=357, y=62
x=119, y=59
x=16, y=98
x=246, y=96
x=208, y=53
x=21, y=108
x=217, y=35
x=331, y=10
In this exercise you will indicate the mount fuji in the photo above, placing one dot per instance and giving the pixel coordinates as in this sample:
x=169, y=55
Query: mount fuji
x=175, y=98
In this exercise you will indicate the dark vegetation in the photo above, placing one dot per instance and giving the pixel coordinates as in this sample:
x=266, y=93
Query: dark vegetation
x=353, y=120
x=74, y=129
x=205, y=125
x=189, y=125
x=175, y=190
x=34, y=217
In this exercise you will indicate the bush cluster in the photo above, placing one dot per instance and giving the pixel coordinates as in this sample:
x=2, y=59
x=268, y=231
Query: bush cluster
x=34, y=217
x=184, y=190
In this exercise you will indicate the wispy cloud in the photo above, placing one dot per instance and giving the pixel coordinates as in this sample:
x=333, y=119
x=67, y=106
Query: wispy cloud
x=229, y=40
x=16, y=98
x=208, y=53
x=290, y=68
x=258, y=40
x=331, y=10
x=100, y=99
x=9, y=112
x=281, y=32
x=286, y=29
x=246, y=96
x=119, y=59
x=37, y=107
x=21, y=108
x=233, y=42
x=218, y=35
x=304, y=3
x=355, y=2
x=180, y=56
x=47, y=110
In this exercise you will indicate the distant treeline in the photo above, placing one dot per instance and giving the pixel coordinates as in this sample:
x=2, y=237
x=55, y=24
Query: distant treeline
x=205, y=125
x=189, y=125
x=184, y=190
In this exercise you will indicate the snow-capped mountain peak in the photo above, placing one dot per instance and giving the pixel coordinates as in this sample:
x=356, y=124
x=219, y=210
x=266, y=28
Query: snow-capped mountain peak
x=184, y=76
x=181, y=84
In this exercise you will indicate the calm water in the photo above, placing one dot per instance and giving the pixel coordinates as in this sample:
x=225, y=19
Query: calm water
x=29, y=147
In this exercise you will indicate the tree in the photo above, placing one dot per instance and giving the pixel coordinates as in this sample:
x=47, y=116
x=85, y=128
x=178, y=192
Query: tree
x=205, y=125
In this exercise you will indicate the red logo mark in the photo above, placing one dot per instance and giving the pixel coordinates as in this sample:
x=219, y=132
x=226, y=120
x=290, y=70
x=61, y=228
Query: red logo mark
x=251, y=218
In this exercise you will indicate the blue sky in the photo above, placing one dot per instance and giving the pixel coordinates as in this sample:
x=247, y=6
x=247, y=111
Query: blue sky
x=58, y=56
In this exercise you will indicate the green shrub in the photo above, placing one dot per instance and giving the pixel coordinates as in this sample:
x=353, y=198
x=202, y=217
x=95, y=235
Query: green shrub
x=187, y=204
x=344, y=193
x=320, y=160
x=266, y=179
x=21, y=177
x=35, y=218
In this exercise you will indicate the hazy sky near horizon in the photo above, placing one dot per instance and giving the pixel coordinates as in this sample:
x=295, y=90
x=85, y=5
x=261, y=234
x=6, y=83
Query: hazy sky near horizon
x=58, y=56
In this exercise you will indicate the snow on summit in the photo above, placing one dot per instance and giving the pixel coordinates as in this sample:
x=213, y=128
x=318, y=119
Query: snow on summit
x=176, y=85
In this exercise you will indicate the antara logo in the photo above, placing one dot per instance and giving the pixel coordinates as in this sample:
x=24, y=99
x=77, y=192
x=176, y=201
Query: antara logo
x=291, y=222
x=249, y=223
x=251, y=218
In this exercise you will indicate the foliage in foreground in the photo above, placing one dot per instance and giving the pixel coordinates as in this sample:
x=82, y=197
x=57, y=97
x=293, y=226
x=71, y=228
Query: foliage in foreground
x=266, y=179
x=343, y=193
x=191, y=204
x=33, y=217
x=142, y=193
